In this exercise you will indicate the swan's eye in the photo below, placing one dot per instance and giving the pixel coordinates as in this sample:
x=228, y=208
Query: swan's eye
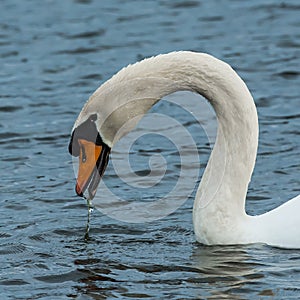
x=93, y=118
x=83, y=154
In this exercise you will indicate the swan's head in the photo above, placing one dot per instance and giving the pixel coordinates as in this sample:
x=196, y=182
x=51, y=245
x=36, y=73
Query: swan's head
x=87, y=144
x=112, y=111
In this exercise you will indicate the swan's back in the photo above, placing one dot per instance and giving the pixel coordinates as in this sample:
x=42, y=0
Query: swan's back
x=280, y=226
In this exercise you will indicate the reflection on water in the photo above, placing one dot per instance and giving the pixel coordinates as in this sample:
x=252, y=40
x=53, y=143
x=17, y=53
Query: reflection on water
x=237, y=270
x=228, y=270
x=53, y=56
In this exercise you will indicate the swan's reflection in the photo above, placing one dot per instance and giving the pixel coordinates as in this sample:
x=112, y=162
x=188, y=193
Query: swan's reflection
x=227, y=272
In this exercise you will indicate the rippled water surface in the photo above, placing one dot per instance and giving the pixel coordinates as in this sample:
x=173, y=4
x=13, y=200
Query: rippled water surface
x=53, y=55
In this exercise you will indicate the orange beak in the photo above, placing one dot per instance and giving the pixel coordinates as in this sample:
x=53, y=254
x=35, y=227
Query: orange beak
x=93, y=160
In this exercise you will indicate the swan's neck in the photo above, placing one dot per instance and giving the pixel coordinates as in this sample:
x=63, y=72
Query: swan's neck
x=135, y=89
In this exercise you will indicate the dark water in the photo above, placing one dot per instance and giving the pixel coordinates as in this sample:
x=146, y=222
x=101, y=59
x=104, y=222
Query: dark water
x=53, y=55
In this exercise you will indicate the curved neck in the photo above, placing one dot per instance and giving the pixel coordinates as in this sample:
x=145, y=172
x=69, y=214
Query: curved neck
x=135, y=89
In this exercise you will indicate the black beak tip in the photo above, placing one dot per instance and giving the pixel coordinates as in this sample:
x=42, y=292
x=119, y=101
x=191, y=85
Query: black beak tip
x=78, y=193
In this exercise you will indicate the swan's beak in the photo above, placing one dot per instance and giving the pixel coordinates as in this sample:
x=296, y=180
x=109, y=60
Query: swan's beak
x=93, y=160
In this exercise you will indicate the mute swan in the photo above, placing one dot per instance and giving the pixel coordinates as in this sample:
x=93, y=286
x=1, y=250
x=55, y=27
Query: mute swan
x=219, y=215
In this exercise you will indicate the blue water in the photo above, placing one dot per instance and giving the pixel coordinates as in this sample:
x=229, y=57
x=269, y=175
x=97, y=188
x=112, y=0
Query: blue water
x=53, y=55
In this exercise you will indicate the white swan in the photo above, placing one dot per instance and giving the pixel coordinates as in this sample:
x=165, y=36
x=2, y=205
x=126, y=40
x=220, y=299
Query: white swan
x=219, y=215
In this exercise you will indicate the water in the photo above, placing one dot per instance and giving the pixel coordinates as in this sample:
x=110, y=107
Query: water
x=53, y=55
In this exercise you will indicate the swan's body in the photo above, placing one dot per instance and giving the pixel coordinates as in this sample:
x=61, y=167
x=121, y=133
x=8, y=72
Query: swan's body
x=219, y=215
